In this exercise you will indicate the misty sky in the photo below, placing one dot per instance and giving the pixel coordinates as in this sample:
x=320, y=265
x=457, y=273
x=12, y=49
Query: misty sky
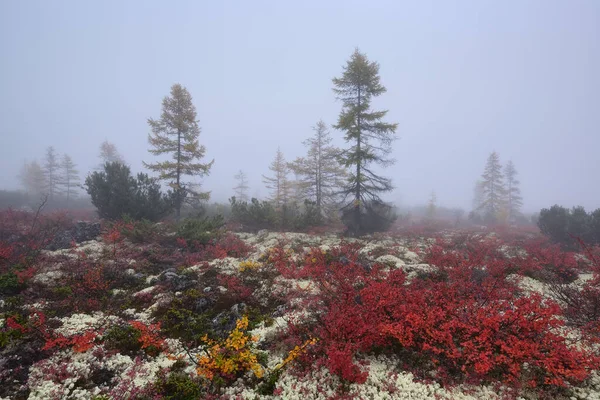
x=464, y=78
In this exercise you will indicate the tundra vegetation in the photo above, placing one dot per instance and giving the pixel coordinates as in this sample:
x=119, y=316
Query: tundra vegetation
x=321, y=291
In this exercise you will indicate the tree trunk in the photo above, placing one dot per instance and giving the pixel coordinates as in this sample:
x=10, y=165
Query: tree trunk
x=68, y=191
x=178, y=196
x=357, y=223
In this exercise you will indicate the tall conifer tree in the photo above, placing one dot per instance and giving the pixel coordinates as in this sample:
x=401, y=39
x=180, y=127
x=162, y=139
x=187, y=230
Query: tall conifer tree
x=370, y=139
x=176, y=133
x=69, y=177
x=278, y=183
x=492, y=189
x=319, y=174
x=51, y=172
x=514, y=201
x=241, y=189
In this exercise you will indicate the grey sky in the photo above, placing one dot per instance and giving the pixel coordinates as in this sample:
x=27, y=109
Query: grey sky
x=464, y=78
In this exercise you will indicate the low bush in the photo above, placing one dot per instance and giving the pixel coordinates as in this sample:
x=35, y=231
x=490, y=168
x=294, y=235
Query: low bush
x=229, y=358
x=177, y=385
x=258, y=215
x=200, y=231
x=470, y=327
x=253, y=216
x=562, y=225
x=124, y=338
x=115, y=193
x=375, y=216
x=141, y=231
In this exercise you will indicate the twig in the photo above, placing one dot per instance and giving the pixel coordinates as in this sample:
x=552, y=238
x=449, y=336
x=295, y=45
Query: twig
x=44, y=200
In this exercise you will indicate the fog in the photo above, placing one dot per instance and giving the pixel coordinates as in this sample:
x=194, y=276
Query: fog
x=463, y=79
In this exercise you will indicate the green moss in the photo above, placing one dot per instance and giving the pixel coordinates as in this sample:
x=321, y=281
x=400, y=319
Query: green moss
x=184, y=324
x=9, y=284
x=267, y=387
x=62, y=292
x=179, y=386
x=126, y=339
x=255, y=317
x=262, y=357
x=8, y=336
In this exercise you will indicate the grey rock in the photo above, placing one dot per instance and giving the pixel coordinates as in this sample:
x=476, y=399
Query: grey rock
x=81, y=232
x=279, y=311
x=239, y=309
x=201, y=304
x=225, y=321
x=170, y=276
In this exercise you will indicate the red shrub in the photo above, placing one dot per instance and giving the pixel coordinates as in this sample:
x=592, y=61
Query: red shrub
x=548, y=262
x=235, y=287
x=80, y=343
x=233, y=246
x=150, y=338
x=470, y=326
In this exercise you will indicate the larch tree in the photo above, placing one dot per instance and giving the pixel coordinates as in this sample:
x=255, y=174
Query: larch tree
x=477, y=195
x=51, y=172
x=492, y=189
x=69, y=177
x=319, y=175
x=109, y=154
x=176, y=133
x=370, y=139
x=514, y=201
x=241, y=188
x=297, y=194
x=278, y=183
x=33, y=179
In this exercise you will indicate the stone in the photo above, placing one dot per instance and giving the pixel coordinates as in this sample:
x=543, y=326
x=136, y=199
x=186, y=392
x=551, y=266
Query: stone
x=391, y=261
x=201, y=304
x=81, y=232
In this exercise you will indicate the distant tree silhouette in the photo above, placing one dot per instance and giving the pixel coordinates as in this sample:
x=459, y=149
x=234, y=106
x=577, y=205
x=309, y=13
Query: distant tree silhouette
x=69, y=177
x=241, y=189
x=492, y=189
x=278, y=183
x=514, y=201
x=51, y=172
x=109, y=153
x=32, y=178
x=319, y=174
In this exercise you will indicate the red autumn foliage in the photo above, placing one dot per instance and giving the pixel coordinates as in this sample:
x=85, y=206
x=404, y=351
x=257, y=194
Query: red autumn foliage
x=6, y=251
x=233, y=246
x=235, y=287
x=229, y=245
x=37, y=325
x=11, y=323
x=113, y=236
x=181, y=242
x=468, y=325
x=548, y=262
x=25, y=274
x=80, y=343
x=150, y=336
